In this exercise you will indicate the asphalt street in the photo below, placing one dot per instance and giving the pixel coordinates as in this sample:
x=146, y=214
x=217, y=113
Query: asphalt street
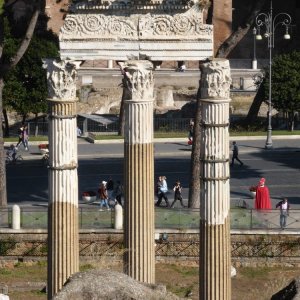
x=27, y=182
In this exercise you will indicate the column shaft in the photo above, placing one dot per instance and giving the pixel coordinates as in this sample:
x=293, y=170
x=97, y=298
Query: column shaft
x=139, y=258
x=215, y=262
x=63, y=259
x=63, y=241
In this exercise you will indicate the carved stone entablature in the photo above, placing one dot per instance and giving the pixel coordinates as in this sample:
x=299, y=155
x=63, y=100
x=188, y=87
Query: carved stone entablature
x=61, y=79
x=185, y=25
x=188, y=25
x=155, y=36
x=215, y=79
x=139, y=79
x=93, y=26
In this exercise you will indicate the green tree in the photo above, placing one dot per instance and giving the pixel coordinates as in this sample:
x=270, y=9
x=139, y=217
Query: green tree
x=25, y=89
x=285, y=85
x=5, y=66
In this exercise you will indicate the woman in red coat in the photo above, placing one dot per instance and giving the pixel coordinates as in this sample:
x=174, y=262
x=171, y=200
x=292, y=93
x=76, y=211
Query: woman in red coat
x=262, y=198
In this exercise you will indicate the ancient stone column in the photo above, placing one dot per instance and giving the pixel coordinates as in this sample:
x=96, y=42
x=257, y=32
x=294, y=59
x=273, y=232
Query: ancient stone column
x=139, y=257
x=63, y=246
x=215, y=262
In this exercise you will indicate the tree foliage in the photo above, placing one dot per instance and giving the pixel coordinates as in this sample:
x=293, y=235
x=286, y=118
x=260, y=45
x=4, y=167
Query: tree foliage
x=25, y=89
x=6, y=65
x=285, y=82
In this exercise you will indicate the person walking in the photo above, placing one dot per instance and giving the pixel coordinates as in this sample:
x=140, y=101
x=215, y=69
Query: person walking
x=20, y=134
x=118, y=192
x=191, y=132
x=78, y=132
x=110, y=189
x=25, y=137
x=103, y=196
x=162, y=189
x=284, y=207
x=235, y=154
x=262, y=197
x=177, y=194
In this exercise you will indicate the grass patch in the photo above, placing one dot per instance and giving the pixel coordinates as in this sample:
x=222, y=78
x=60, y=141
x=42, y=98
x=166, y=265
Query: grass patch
x=263, y=133
x=86, y=267
x=21, y=272
x=250, y=273
x=107, y=137
x=37, y=138
x=251, y=283
x=32, y=295
x=171, y=134
x=5, y=272
x=185, y=271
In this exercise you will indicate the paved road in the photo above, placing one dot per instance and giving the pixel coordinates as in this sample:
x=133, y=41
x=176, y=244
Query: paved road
x=27, y=182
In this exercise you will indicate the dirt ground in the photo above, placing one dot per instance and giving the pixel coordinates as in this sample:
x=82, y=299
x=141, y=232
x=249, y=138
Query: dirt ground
x=26, y=282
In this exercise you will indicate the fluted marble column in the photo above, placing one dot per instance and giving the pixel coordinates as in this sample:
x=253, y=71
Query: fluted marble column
x=215, y=261
x=63, y=245
x=139, y=258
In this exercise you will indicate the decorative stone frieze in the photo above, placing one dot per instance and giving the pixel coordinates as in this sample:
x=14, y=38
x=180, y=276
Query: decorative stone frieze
x=101, y=27
x=127, y=35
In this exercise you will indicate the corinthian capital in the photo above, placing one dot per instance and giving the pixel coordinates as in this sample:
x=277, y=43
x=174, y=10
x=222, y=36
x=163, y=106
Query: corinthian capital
x=215, y=79
x=138, y=79
x=61, y=78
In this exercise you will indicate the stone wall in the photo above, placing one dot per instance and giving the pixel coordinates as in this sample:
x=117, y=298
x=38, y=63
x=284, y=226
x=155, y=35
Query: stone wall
x=255, y=248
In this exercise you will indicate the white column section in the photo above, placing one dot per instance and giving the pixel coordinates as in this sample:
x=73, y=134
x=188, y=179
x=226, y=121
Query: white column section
x=215, y=189
x=63, y=178
x=214, y=258
x=16, y=217
x=139, y=122
x=139, y=258
x=63, y=245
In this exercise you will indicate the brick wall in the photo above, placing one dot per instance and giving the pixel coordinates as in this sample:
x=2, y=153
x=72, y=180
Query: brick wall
x=222, y=20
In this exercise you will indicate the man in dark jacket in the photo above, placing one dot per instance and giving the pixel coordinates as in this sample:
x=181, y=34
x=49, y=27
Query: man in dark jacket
x=235, y=154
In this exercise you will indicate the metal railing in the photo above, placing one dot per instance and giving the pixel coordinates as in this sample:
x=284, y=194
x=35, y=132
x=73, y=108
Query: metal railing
x=96, y=126
x=91, y=218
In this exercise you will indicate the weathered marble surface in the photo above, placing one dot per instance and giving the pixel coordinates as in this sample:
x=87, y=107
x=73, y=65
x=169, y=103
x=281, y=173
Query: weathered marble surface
x=159, y=36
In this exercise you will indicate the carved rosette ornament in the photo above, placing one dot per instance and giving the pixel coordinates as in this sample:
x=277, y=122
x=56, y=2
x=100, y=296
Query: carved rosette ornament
x=157, y=30
x=99, y=26
x=61, y=79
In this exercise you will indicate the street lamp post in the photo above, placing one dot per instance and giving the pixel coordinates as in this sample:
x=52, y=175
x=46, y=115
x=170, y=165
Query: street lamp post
x=254, y=61
x=270, y=23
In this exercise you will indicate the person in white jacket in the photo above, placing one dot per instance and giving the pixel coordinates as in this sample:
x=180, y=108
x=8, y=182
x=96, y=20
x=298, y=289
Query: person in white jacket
x=162, y=190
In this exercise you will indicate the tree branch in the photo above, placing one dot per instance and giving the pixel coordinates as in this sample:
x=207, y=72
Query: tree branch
x=237, y=35
x=26, y=40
